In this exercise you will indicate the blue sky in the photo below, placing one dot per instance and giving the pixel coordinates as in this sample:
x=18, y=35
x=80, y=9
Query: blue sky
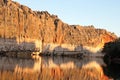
x=100, y=13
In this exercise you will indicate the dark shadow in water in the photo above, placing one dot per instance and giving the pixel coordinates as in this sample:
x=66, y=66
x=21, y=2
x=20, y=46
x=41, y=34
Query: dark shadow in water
x=113, y=71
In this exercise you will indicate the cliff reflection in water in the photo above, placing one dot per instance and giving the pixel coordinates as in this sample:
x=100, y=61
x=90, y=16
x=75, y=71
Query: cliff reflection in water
x=47, y=68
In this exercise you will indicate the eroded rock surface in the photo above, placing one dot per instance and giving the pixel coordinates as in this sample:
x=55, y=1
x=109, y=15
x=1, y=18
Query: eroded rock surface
x=24, y=29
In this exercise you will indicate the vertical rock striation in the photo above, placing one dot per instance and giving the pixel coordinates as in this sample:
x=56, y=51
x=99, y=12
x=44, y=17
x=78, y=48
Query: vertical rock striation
x=24, y=29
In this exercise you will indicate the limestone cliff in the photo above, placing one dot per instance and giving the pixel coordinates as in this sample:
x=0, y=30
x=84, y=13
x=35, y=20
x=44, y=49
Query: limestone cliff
x=24, y=29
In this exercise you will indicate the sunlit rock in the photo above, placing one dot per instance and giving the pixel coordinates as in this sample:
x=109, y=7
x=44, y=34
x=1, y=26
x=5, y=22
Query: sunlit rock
x=22, y=29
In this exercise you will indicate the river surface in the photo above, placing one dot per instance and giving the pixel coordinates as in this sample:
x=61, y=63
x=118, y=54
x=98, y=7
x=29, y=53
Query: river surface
x=56, y=68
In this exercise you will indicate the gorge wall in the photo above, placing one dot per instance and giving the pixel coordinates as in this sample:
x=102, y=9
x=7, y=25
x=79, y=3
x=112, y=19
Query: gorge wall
x=24, y=29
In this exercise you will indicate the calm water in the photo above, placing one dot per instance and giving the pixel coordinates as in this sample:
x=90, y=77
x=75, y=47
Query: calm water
x=55, y=68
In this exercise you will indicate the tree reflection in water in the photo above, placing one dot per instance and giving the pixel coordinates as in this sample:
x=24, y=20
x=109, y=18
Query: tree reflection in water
x=113, y=71
x=51, y=68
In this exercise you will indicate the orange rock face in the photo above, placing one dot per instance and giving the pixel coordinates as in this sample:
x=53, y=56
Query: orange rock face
x=20, y=23
x=108, y=38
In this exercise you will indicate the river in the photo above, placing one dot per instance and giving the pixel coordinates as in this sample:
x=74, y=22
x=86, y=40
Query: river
x=56, y=68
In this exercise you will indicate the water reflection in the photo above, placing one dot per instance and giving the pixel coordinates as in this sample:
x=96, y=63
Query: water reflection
x=51, y=68
x=113, y=71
